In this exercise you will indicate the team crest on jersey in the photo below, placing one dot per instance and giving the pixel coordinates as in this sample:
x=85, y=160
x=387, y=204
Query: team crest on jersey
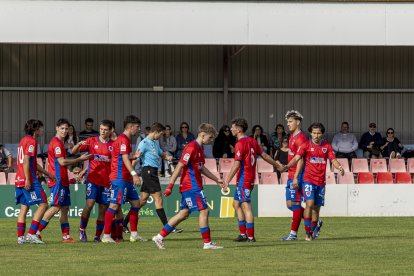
x=123, y=147
x=186, y=157
x=31, y=148
x=238, y=153
x=110, y=148
x=58, y=150
x=324, y=150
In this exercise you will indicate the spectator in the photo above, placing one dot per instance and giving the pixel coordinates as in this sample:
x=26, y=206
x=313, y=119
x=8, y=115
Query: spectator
x=276, y=138
x=260, y=137
x=391, y=146
x=370, y=142
x=281, y=153
x=345, y=143
x=70, y=140
x=6, y=160
x=169, y=146
x=183, y=138
x=224, y=143
x=89, y=131
x=78, y=177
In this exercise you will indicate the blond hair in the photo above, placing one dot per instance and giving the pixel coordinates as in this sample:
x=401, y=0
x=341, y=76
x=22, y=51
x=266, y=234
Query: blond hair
x=208, y=129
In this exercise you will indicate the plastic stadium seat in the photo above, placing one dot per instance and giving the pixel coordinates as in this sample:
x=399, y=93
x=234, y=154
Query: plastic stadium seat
x=211, y=164
x=410, y=165
x=365, y=178
x=256, y=179
x=284, y=178
x=233, y=180
x=269, y=178
x=384, y=178
x=3, y=180
x=225, y=164
x=359, y=165
x=403, y=178
x=330, y=178
x=344, y=163
x=347, y=178
x=263, y=166
x=328, y=166
x=378, y=165
x=11, y=177
x=397, y=165
x=209, y=181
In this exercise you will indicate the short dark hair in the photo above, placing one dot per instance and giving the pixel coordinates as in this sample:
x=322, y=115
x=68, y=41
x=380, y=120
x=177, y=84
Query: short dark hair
x=107, y=123
x=345, y=123
x=131, y=119
x=257, y=126
x=113, y=124
x=62, y=121
x=89, y=120
x=240, y=122
x=157, y=127
x=32, y=126
x=168, y=126
x=316, y=125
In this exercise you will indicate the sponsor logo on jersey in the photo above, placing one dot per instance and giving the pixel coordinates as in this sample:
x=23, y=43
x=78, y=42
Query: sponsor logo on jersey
x=186, y=157
x=123, y=147
x=58, y=150
x=31, y=148
x=103, y=158
x=317, y=160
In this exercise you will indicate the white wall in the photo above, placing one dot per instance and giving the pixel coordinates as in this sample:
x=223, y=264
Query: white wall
x=123, y=22
x=345, y=200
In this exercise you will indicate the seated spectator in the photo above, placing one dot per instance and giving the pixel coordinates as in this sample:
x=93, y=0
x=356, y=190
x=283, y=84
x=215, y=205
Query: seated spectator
x=183, y=138
x=370, y=142
x=391, y=146
x=6, y=160
x=169, y=145
x=276, y=138
x=71, y=140
x=281, y=154
x=224, y=143
x=79, y=178
x=345, y=143
x=260, y=137
x=89, y=131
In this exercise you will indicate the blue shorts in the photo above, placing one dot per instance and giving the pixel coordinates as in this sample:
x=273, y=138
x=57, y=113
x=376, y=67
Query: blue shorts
x=59, y=195
x=294, y=194
x=314, y=192
x=98, y=193
x=242, y=194
x=35, y=195
x=193, y=201
x=122, y=192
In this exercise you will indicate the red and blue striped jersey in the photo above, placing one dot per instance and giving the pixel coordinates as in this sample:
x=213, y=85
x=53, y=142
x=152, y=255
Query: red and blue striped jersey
x=193, y=159
x=121, y=146
x=246, y=151
x=27, y=146
x=56, y=150
x=295, y=141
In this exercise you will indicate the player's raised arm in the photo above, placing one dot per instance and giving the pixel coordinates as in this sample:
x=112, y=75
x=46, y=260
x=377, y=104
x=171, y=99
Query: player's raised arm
x=78, y=147
x=66, y=162
x=174, y=177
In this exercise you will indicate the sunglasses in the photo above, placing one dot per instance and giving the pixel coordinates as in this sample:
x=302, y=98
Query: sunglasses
x=226, y=130
x=390, y=132
x=184, y=127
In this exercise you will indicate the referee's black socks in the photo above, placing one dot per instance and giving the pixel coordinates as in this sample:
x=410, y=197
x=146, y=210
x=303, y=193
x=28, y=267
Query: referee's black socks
x=163, y=217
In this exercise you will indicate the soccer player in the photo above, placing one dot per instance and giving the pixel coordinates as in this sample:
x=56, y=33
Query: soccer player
x=29, y=191
x=123, y=179
x=59, y=188
x=316, y=152
x=191, y=188
x=245, y=156
x=294, y=194
x=97, y=177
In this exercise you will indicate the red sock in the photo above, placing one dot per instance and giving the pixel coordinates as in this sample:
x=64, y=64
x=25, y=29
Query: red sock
x=99, y=227
x=166, y=230
x=21, y=228
x=109, y=217
x=250, y=230
x=83, y=223
x=133, y=219
x=308, y=223
x=33, y=227
x=205, y=233
x=242, y=227
x=296, y=218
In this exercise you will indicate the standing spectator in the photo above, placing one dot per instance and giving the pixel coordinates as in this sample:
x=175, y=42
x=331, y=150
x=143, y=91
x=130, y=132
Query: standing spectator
x=183, y=138
x=89, y=131
x=370, y=142
x=6, y=160
x=224, y=143
x=391, y=146
x=282, y=153
x=260, y=138
x=169, y=146
x=276, y=138
x=70, y=140
x=345, y=143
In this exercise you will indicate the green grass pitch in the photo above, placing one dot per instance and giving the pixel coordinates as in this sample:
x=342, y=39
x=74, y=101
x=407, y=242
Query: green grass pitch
x=347, y=246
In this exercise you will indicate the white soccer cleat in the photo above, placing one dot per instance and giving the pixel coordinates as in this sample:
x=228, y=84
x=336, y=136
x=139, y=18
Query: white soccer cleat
x=136, y=237
x=107, y=240
x=212, y=245
x=33, y=239
x=158, y=242
x=21, y=240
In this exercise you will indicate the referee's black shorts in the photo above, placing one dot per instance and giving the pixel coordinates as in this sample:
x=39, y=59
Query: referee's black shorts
x=151, y=183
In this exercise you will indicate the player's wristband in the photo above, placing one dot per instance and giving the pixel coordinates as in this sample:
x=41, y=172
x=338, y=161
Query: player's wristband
x=133, y=173
x=170, y=186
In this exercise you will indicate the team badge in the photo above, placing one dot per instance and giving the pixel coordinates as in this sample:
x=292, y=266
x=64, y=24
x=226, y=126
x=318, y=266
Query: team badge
x=58, y=150
x=110, y=148
x=88, y=192
x=324, y=150
x=31, y=148
x=238, y=153
x=308, y=194
x=123, y=147
x=186, y=157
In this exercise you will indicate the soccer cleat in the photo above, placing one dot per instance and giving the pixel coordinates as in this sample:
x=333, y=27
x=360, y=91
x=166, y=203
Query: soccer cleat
x=97, y=239
x=309, y=236
x=21, y=240
x=241, y=238
x=177, y=231
x=317, y=229
x=107, y=240
x=68, y=240
x=290, y=237
x=125, y=229
x=212, y=245
x=82, y=235
x=33, y=239
x=158, y=242
x=136, y=237
x=251, y=240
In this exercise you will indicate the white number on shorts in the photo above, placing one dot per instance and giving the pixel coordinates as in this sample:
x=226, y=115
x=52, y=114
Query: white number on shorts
x=308, y=188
